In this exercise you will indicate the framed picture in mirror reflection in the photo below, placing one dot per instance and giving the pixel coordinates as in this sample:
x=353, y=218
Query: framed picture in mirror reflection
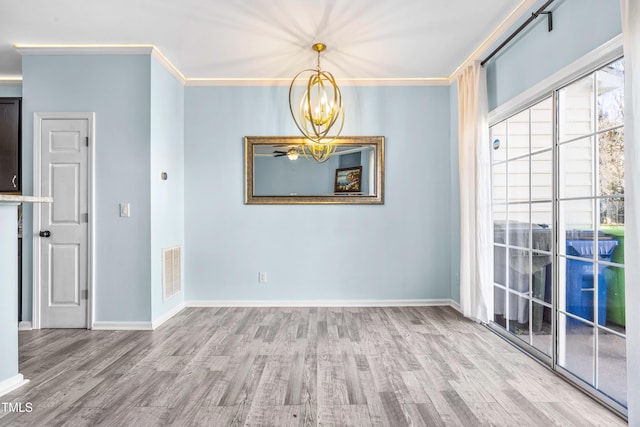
x=348, y=180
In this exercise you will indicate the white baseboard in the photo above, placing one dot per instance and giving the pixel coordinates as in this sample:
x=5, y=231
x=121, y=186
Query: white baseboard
x=168, y=315
x=10, y=384
x=455, y=305
x=325, y=303
x=25, y=326
x=122, y=326
x=149, y=326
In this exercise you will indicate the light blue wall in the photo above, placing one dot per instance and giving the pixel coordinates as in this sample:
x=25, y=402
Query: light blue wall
x=394, y=251
x=167, y=197
x=282, y=177
x=579, y=26
x=8, y=291
x=398, y=250
x=351, y=160
x=454, y=194
x=117, y=89
x=10, y=91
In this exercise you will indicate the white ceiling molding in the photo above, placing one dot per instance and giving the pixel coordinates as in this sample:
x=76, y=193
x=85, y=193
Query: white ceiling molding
x=99, y=49
x=84, y=49
x=341, y=82
x=168, y=65
x=505, y=25
x=26, y=50
x=237, y=82
x=10, y=81
x=436, y=81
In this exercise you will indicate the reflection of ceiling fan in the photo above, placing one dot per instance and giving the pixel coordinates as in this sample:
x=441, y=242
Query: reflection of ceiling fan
x=291, y=153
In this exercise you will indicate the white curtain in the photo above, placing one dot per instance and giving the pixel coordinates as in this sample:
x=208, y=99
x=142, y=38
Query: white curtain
x=476, y=252
x=631, y=40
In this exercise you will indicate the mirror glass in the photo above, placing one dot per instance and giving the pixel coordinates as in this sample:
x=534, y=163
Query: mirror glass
x=278, y=170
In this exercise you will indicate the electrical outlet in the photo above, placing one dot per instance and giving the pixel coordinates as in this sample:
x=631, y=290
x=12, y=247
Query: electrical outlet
x=262, y=277
x=125, y=209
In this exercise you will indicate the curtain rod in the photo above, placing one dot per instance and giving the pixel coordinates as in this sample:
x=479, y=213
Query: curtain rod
x=533, y=16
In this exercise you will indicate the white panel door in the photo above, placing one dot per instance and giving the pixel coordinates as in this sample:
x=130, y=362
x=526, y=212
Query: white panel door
x=64, y=223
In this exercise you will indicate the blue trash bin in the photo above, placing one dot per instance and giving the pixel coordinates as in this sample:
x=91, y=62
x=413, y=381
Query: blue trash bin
x=580, y=280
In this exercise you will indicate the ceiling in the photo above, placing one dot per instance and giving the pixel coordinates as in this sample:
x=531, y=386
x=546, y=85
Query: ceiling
x=269, y=39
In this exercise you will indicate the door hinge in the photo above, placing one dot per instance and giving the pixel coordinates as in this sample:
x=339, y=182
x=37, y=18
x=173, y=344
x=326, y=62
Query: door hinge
x=85, y=217
x=84, y=294
x=86, y=140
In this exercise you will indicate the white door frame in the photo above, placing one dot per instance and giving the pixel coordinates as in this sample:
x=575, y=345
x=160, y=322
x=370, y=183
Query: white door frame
x=37, y=212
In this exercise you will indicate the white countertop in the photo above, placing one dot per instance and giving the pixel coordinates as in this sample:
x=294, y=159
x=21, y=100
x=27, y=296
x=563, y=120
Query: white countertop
x=10, y=198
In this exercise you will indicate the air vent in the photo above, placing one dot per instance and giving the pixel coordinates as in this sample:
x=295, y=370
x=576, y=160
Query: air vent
x=171, y=271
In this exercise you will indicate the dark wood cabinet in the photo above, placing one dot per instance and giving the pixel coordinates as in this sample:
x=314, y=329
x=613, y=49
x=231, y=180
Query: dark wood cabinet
x=10, y=145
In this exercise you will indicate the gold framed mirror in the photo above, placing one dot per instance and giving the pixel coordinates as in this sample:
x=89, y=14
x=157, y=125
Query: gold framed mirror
x=278, y=170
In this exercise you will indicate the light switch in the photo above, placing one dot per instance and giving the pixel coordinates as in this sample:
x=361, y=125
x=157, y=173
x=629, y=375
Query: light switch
x=125, y=209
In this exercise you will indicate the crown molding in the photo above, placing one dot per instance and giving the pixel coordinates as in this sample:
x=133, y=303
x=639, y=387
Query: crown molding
x=500, y=30
x=10, y=81
x=102, y=49
x=84, y=49
x=236, y=82
x=407, y=81
x=438, y=81
x=168, y=65
x=149, y=49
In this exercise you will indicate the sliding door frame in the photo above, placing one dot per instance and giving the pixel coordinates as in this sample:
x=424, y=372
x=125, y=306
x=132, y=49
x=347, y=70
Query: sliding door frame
x=551, y=86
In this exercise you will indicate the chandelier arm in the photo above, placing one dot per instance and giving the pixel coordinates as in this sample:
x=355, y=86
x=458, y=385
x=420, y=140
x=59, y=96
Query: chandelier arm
x=320, y=155
x=337, y=98
x=312, y=114
x=295, y=120
x=309, y=110
x=303, y=112
x=304, y=151
x=337, y=94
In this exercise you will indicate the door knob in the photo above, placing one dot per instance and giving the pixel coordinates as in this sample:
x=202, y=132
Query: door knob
x=45, y=233
x=13, y=181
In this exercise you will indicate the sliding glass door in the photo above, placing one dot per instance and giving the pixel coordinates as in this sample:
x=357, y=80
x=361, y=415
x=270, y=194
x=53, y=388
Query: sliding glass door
x=558, y=209
x=523, y=218
x=591, y=325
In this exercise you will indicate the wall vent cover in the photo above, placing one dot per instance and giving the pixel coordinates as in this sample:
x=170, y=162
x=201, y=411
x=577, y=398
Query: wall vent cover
x=171, y=271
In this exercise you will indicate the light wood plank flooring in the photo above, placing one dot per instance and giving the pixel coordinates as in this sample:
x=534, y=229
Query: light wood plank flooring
x=293, y=366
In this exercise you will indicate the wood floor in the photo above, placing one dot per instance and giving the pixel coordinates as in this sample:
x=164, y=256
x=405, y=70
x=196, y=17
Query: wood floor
x=293, y=366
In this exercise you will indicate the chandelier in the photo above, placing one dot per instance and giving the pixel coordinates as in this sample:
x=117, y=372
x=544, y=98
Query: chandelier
x=319, y=108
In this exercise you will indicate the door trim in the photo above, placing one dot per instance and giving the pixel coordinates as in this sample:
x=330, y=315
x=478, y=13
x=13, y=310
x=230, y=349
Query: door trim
x=37, y=212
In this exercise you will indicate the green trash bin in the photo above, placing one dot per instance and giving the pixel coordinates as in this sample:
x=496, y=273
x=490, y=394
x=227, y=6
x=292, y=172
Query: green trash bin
x=615, y=279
